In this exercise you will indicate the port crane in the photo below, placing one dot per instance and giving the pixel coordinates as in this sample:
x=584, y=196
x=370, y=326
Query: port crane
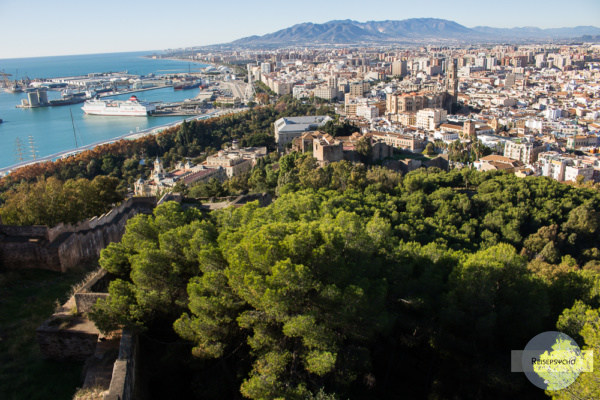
x=5, y=76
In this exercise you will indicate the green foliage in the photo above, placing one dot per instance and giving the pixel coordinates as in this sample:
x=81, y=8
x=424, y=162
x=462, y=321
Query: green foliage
x=429, y=149
x=365, y=150
x=352, y=269
x=585, y=321
x=212, y=188
x=154, y=264
x=336, y=129
x=51, y=201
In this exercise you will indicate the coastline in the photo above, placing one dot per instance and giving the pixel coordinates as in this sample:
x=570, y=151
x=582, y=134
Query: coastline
x=206, y=63
x=128, y=136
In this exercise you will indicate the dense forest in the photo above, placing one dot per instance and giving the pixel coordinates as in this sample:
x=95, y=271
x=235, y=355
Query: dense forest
x=359, y=283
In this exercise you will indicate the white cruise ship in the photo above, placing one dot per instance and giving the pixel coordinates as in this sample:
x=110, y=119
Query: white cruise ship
x=130, y=107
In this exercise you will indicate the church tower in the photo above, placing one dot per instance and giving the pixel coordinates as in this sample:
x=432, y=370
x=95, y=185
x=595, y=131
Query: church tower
x=158, y=173
x=452, y=83
x=469, y=130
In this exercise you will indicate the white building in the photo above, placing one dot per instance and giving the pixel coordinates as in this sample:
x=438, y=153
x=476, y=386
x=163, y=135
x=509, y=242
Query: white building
x=366, y=111
x=523, y=150
x=326, y=92
x=447, y=137
x=564, y=168
x=265, y=68
x=552, y=165
x=552, y=114
x=572, y=172
x=300, y=92
x=429, y=118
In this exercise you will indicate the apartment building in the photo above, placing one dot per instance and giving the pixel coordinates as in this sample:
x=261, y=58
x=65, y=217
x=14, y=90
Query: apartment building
x=564, y=168
x=430, y=118
x=326, y=92
x=524, y=151
x=578, y=141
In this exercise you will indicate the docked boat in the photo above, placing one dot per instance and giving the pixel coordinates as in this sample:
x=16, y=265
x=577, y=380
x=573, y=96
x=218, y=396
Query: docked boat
x=67, y=100
x=186, y=85
x=131, y=107
x=16, y=88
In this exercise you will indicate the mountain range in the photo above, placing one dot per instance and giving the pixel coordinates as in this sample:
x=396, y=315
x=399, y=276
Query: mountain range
x=414, y=30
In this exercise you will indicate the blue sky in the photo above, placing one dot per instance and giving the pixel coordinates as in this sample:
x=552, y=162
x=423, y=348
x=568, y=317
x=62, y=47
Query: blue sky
x=44, y=27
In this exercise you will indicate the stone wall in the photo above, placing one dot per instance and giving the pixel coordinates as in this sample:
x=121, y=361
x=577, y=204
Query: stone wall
x=122, y=384
x=87, y=295
x=65, y=246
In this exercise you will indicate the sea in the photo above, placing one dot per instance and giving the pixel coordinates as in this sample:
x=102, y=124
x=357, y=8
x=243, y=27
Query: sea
x=50, y=130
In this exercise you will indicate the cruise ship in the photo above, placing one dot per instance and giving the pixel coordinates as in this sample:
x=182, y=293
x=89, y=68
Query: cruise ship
x=130, y=107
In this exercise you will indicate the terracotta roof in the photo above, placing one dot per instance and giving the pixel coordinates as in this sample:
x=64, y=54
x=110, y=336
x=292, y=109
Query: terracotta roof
x=494, y=158
x=451, y=126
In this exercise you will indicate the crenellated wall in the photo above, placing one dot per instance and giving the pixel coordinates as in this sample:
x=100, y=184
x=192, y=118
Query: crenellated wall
x=64, y=246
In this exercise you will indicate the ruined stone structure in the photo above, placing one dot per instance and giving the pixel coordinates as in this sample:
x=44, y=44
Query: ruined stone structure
x=88, y=294
x=65, y=246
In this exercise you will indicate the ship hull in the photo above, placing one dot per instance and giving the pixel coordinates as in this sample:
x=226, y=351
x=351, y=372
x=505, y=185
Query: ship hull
x=66, y=102
x=129, y=108
x=117, y=114
x=187, y=87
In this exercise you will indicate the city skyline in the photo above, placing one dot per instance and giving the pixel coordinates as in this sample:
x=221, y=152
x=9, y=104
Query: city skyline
x=73, y=27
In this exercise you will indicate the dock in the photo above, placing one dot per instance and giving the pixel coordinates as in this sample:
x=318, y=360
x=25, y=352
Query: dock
x=112, y=94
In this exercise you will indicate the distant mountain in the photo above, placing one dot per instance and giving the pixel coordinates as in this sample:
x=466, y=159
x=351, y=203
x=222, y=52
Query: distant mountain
x=417, y=28
x=530, y=32
x=328, y=32
x=414, y=30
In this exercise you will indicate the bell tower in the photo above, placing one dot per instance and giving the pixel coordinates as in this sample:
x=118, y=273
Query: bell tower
x=452, y=83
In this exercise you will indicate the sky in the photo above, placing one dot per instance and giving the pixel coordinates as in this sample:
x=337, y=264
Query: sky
x=36, y=28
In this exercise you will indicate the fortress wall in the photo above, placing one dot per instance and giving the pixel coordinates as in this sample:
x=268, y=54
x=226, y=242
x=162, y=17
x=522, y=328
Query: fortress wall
x=122, y=384
x=64, y=246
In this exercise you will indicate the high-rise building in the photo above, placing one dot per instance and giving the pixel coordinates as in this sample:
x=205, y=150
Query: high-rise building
x=399, y=68
x=359, y=88
x=332, y=81
x=510, y=80
x=265, y=68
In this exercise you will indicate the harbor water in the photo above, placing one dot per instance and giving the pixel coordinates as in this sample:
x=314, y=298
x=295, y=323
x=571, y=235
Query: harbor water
x=50, y=129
